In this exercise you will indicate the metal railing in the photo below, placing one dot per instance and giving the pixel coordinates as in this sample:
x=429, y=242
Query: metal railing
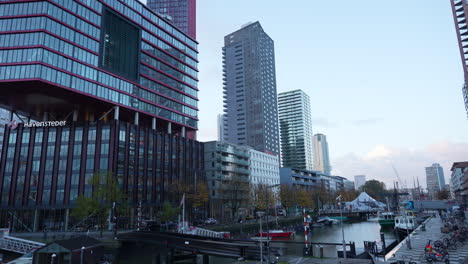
x=19, y=245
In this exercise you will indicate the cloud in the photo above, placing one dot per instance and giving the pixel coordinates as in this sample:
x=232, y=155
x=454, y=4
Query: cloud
x=409, y=163
x=322, y=122
x=366, y=122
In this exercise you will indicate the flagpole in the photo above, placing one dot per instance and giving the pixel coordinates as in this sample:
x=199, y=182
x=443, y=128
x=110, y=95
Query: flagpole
x=183, y=214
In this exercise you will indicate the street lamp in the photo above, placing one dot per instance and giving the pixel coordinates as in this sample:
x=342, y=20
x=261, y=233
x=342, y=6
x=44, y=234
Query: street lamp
x=342, y=230
x=53, y=258
x=260, y=214
x=82, y=255
x=267, y=213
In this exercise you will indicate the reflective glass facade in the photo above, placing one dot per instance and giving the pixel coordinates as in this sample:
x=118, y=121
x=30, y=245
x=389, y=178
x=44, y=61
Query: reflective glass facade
x=295, y=124
x=460, y=15
x=44, y=168
x=67, y=44
x=181, y=12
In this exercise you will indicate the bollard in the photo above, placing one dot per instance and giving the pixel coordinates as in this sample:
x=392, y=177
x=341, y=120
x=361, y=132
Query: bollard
x=384, y=247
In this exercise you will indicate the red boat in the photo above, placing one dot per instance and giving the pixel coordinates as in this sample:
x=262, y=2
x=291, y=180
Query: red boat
x=276, y=233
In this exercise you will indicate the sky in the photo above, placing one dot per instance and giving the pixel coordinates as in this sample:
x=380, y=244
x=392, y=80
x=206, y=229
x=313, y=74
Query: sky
x=384, y=78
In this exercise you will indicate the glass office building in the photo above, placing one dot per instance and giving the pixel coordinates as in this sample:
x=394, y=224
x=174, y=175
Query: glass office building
x=295, y=124
x=182, y=13
x=460, y=15
x=114, y=87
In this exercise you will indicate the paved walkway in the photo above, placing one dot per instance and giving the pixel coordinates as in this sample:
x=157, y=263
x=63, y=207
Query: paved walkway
x=301, y=260
x=419, y=240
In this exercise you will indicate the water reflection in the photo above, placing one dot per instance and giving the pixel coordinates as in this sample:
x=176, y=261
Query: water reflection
x=356, y=232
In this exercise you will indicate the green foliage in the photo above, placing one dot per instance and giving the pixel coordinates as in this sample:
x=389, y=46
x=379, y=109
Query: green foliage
x=375, y=189
x=105, y=191
x=168, y=212
x=442, y=195
x=287, y=196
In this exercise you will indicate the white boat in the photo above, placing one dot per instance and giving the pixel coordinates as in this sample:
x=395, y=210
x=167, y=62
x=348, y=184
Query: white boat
x=386, y=218
x=406, y=222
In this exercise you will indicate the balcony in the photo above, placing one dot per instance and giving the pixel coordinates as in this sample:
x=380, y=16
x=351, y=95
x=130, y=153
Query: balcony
x=232, y=160
x=235, y=169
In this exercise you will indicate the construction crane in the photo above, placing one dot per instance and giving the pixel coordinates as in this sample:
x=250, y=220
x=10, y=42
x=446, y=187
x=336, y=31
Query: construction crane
x=398, y=177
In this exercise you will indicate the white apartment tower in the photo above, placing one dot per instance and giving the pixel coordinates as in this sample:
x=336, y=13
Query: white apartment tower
x=295, y=124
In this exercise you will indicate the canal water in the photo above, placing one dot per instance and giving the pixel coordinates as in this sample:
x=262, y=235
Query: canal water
x=357, y=232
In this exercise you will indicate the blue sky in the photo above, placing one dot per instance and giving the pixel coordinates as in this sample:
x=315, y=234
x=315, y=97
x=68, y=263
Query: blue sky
x=384, y=77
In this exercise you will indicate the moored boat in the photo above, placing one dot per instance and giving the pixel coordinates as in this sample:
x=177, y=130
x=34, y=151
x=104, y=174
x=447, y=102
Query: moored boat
x=406, y=222
x=275, y=233
x=386, y=218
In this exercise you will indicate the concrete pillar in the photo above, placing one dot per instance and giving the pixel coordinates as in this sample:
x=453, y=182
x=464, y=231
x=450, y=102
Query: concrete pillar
x=67, y=214
x=183, y=131
x=116, y=112
x=153, y=123
x=75, y=115
x=137, y=118
x=36, y=218
x=169, y=128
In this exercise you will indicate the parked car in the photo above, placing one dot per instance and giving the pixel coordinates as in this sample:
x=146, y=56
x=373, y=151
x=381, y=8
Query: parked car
x=199, y=222
x=211, y=221
x=281, y=212
x=249, y=217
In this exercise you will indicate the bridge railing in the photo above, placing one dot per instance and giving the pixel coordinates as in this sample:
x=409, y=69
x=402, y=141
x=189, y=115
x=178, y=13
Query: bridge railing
x=19, y=245
x=349, y=211
x=208, y=233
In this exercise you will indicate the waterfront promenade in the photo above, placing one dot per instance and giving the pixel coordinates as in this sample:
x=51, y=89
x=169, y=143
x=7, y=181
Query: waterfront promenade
x=419, y=240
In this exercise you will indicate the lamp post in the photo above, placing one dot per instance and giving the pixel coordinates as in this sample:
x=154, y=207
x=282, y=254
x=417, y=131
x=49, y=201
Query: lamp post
x=82, y=255
x=260, y=214
x=267, y=221
x=52, y=261
x=342, y=230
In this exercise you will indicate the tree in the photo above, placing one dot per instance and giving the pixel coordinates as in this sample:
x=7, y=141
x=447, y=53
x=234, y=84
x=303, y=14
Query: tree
x=304, y=198
x=260, y=194
x=287, y=196
x=200, y=197
x=442, y=195
x=196, y=196
x=375, y=189
x=348, y=195
x=167, y=212
x=235, y=193
x=106, y=191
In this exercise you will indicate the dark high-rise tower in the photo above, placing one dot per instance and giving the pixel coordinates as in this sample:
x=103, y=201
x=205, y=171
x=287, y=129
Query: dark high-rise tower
x=460, y=16
x=250, y=99
x=183, y=13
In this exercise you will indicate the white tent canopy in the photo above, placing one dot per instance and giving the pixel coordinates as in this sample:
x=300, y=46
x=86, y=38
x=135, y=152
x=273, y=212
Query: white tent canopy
x=364, y=202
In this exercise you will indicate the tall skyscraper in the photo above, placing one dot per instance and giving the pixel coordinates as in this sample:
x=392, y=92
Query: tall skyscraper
x=115, y=89
x=359, y=180
x=250, y=100
x=465, y=97
x=183, y=13
x=220, y=124
x=295, y=124
x=435, y=178
x=460, y=17
x=321, y=158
